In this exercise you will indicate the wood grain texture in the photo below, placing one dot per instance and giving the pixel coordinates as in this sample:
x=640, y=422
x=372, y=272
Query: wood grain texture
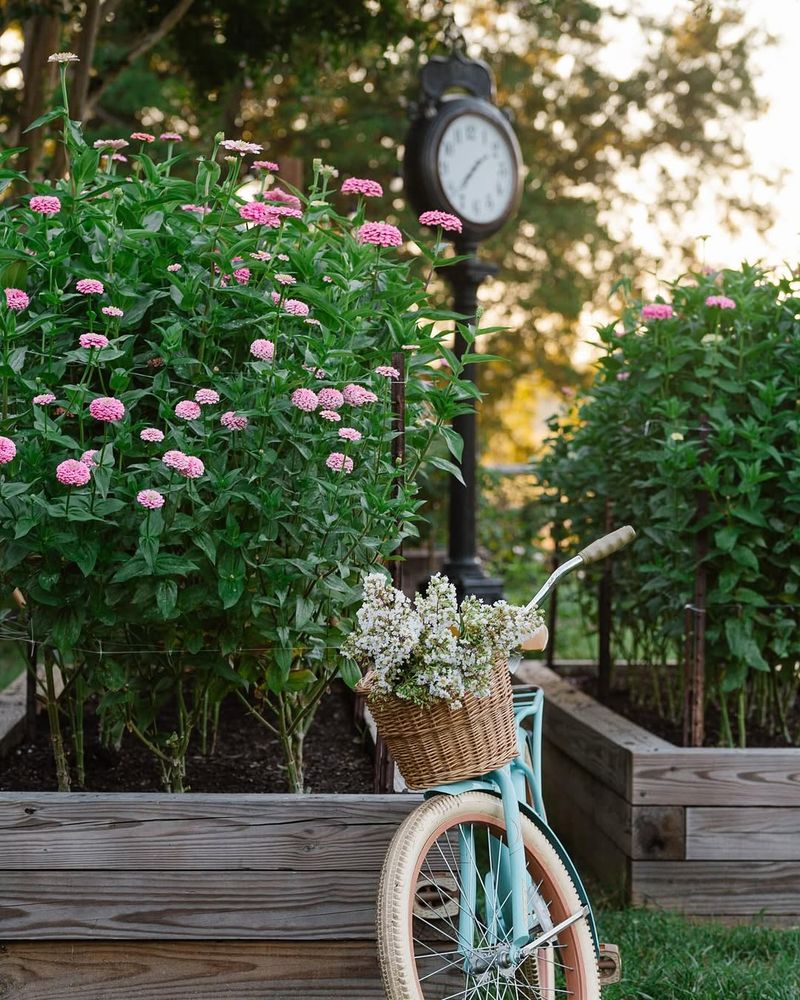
x=746, y=834
x=186, y=905
x=189, y=971
x=718, y=887
x=575, y=824
x=198, y=832
x=708, y=777
x=642, y=832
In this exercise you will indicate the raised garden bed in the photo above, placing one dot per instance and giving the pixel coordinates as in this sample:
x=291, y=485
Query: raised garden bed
x=201, y=896
x=704, y=831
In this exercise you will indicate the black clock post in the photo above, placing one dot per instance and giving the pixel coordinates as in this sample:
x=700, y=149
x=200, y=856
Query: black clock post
x=462, y=157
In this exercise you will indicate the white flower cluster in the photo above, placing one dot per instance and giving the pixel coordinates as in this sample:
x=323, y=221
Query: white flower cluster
x=431, y=649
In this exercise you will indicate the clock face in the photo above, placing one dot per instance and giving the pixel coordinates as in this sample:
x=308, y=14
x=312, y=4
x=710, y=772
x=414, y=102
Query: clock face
x=477, y=169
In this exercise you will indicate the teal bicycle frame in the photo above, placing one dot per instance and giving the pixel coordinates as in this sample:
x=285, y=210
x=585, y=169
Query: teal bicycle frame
x=514, y=784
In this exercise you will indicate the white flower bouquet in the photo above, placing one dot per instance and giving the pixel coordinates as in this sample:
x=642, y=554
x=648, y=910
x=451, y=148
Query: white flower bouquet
x=431, y=650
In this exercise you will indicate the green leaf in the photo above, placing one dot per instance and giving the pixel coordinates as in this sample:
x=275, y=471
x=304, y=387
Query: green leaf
x=742, y=644
x=726, y=538
x=349, y=672
x=446, y=466
x=166, y=597
x=48, y=116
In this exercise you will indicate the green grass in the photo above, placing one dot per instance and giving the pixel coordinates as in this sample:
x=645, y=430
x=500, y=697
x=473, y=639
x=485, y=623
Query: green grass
x=666, y=957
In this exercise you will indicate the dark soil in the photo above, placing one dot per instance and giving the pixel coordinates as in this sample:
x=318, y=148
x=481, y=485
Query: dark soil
x=621, y=701
x=247, y=757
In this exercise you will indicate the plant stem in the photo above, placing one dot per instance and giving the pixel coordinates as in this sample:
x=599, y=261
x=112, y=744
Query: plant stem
x=56, y=740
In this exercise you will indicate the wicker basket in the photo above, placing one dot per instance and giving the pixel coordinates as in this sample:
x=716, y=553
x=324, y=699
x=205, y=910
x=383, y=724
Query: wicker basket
x=434, y=745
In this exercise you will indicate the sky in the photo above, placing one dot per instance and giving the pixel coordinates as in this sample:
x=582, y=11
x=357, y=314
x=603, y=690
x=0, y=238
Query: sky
x=771, y=140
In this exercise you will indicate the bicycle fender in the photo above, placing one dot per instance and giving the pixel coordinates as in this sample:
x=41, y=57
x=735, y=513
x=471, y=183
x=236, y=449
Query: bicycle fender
x=477, y=785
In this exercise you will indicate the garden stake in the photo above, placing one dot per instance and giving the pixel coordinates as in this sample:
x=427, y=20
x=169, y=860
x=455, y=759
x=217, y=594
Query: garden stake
x=695, y=665
x=604, y=619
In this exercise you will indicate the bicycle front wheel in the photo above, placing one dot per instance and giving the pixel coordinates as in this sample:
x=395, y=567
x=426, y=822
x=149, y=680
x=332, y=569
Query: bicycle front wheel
x=444, y=925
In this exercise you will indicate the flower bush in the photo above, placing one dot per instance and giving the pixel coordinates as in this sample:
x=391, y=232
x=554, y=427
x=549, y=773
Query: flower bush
x=430, y=649
x=692, y=428
x=179, y=506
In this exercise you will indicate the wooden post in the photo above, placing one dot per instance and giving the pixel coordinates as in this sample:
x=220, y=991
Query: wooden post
x=695, y=624
x=384, y=765
x=604, y=664
x=552, y=611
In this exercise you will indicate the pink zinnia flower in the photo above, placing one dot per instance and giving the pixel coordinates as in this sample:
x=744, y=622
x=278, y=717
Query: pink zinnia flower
x=112, y=311
x=155, y=362
x=380, y=234
x=305, y=399
x=7, y=450
x=360, y=185
x=187, y=409
x=143, y=137
x=90, y=340
x=88, y=458
x=265, y=165
x=45, y=204
x=233, y=421
x=88, y=286
x=206, y=397
x=330, y=399
x=197, y=209
x=242, y=275
x=327, y=278
x=107, y=409
x=349, y=434
x=193, y=468
x=285, y=279
x=261, y=255
x=316, y=372
x=387, y=371
x=151, y=499
x=262, y=349
x=286, y=212
x=357, y=395
x=278, y=194
x=441, y=220
x=295, y=307
x=331, y=415
x=173, y=267
x=16, y=299
x=720, y=301
x=151, y=434
x=175, y=460
x=73, y=473
x=240, y=146
x=171, y=137
x=261, y=214
x=339, y=462
x=111, y=143
x=657, y=310
x=283, y=256
x=43, y=399
x=622, y=376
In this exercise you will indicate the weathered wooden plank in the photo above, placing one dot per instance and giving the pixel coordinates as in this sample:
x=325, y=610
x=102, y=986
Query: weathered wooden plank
x=592, y=850
x=709, y=777
x=746, y=833
x=642, y=832
x=187, y=905
x=229, y=970
x=724, y=887
x=12, y=714
x=560, y=692
x=198, y=832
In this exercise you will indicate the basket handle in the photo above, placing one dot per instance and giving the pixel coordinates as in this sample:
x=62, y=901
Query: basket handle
x=364, y=686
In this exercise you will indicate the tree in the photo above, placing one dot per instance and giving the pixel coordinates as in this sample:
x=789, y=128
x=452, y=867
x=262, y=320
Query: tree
x=334, y=79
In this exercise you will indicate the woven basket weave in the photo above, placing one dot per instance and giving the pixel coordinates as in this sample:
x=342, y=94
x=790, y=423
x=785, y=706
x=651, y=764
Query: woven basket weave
x=434, y=744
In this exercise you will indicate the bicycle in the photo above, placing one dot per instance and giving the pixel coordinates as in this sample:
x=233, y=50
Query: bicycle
x=478, y=899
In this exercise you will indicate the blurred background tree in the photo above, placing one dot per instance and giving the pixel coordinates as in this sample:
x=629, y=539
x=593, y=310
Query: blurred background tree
x=334, y=79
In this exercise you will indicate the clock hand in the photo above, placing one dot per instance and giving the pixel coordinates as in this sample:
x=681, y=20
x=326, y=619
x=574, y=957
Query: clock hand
x=472, y=171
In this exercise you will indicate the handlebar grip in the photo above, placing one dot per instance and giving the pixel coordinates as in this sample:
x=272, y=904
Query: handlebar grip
x=607, y=545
